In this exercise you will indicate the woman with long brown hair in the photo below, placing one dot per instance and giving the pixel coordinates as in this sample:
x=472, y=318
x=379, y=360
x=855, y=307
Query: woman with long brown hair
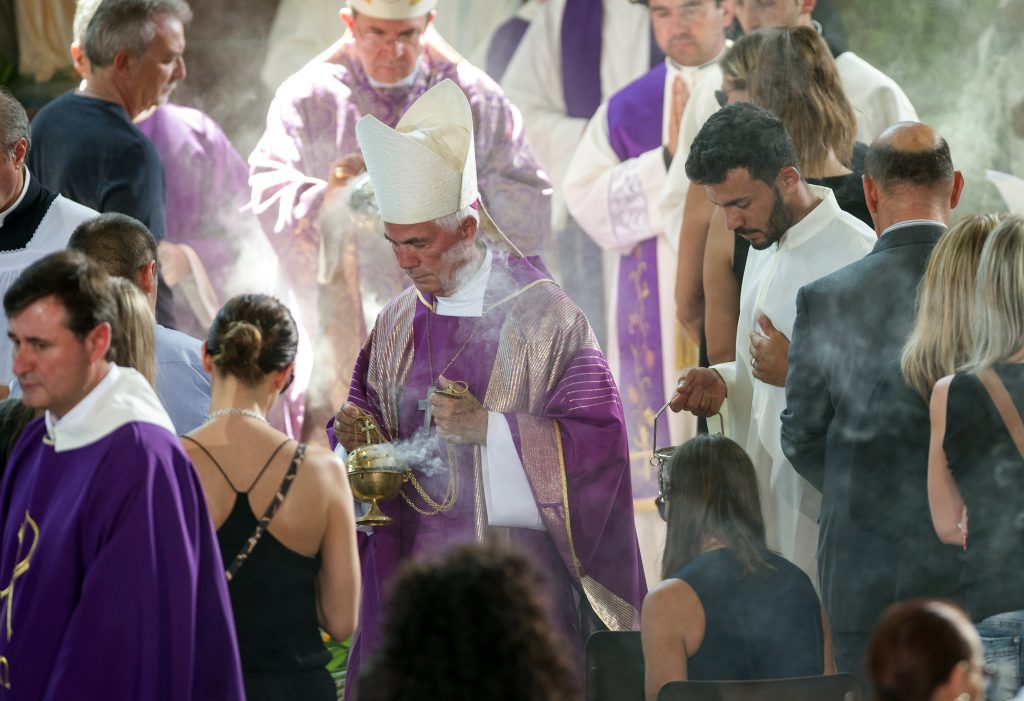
x=728, y=608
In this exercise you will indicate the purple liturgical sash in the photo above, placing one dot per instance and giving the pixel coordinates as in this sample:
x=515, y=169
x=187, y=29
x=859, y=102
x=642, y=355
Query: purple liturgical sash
x=503, y=44
x=581, y=56
x=635, y=114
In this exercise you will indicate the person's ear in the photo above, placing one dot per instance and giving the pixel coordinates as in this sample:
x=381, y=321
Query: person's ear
x=123, y=63
x=468, y=228
x=20, y=151
x=97, y=342
x=283, y=378
x=147, y=278
x=957, y=685
x=807, y=6
x=728, y=13
x=870, y=193
x=346, y=16
x=958, y=189
x=207, y=360
x=787, y=180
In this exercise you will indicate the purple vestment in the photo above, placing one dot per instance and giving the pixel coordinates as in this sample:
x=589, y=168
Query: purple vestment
x=113, y=581
x=532, y=358
x=207, y=186
x=635, y=114
x=311, y=125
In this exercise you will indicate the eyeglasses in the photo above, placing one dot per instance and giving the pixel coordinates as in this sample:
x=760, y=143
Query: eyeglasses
x=409, y=39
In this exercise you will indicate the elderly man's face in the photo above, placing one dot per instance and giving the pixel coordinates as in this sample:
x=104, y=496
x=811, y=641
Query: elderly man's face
x=754, y=14
x=12, y=178
x=157, y=71
x=51, y=363
x=388, y=48
x=429, y=255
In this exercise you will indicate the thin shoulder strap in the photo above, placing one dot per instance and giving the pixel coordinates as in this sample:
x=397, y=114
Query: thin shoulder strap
x=268, y=515
x=1007, y=410
x=215, y=463
x=267, y=464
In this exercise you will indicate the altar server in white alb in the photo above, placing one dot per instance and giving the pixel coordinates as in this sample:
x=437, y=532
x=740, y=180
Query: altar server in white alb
x=612, y=188
x=747, y=164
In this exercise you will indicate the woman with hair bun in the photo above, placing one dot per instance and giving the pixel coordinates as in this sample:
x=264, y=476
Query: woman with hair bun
x=283, y=511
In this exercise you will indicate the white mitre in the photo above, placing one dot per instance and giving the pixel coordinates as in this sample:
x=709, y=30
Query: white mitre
x=392, y=9
x=425, y=168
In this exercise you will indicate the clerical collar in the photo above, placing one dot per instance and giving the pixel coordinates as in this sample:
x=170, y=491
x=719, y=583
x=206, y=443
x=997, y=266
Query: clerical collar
x=24, y=189
x=79, y=412
x=680, y=68
x=468, y=300
x=405, y=82
x=825, y=211
x=123, y=396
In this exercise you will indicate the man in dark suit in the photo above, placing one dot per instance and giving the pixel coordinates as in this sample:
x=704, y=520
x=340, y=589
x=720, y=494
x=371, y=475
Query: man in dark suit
x=849, y=326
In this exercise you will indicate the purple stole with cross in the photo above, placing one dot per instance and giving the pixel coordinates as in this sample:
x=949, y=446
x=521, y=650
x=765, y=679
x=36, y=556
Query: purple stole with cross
x=635, y=116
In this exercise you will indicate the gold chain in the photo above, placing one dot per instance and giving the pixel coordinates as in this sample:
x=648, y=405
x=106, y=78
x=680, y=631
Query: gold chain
x=451, y=492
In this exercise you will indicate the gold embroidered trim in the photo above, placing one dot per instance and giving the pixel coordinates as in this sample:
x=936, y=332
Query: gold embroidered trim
x=613, y=611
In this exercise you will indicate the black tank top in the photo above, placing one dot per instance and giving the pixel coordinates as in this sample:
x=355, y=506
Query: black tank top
x=757, y=626
x=273, y=594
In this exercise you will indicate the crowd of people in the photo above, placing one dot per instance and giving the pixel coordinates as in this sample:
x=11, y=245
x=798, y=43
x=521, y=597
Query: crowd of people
x=730, y=216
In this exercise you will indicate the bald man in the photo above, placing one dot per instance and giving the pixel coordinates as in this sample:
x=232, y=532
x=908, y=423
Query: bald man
x=849, y=326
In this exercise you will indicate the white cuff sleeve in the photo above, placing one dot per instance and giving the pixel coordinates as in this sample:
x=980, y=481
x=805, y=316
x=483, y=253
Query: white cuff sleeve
x=507, y=492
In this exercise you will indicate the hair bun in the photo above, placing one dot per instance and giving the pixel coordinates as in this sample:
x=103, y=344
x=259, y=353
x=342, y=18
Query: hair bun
x=240, y=351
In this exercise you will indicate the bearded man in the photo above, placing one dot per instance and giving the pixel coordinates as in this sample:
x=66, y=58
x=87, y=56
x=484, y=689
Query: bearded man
x=748, y=166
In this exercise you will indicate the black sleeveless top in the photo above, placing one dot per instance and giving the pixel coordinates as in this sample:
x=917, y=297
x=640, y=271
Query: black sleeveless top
x=989, y=472
x=273, y=597
x=757, y=626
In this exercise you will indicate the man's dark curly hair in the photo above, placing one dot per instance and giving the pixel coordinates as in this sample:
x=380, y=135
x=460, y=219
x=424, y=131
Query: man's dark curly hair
x=741, y=135
x=469, y=625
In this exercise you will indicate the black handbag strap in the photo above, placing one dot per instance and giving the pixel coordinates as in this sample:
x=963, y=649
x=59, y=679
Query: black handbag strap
x=264, y=522
x=1004, y=404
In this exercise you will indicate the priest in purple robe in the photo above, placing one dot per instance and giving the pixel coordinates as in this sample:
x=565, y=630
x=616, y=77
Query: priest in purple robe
x=529, y=444
x=389, y=57
x=111, y=581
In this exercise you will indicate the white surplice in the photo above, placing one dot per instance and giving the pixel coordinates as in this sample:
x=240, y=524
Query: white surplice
x=616, y=204
x=533, y=82
x=822, y=242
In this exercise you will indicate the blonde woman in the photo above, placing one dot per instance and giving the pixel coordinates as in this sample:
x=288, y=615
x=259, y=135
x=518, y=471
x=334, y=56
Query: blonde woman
x=283, y=511
x=132, y=343
x=976, y=457
x=888, y=478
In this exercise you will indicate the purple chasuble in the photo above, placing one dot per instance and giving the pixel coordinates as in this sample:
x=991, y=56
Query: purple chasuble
x=587, y=413
x=582, y=39
x=112, y=580
x=635, y=116
x=207, y=187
